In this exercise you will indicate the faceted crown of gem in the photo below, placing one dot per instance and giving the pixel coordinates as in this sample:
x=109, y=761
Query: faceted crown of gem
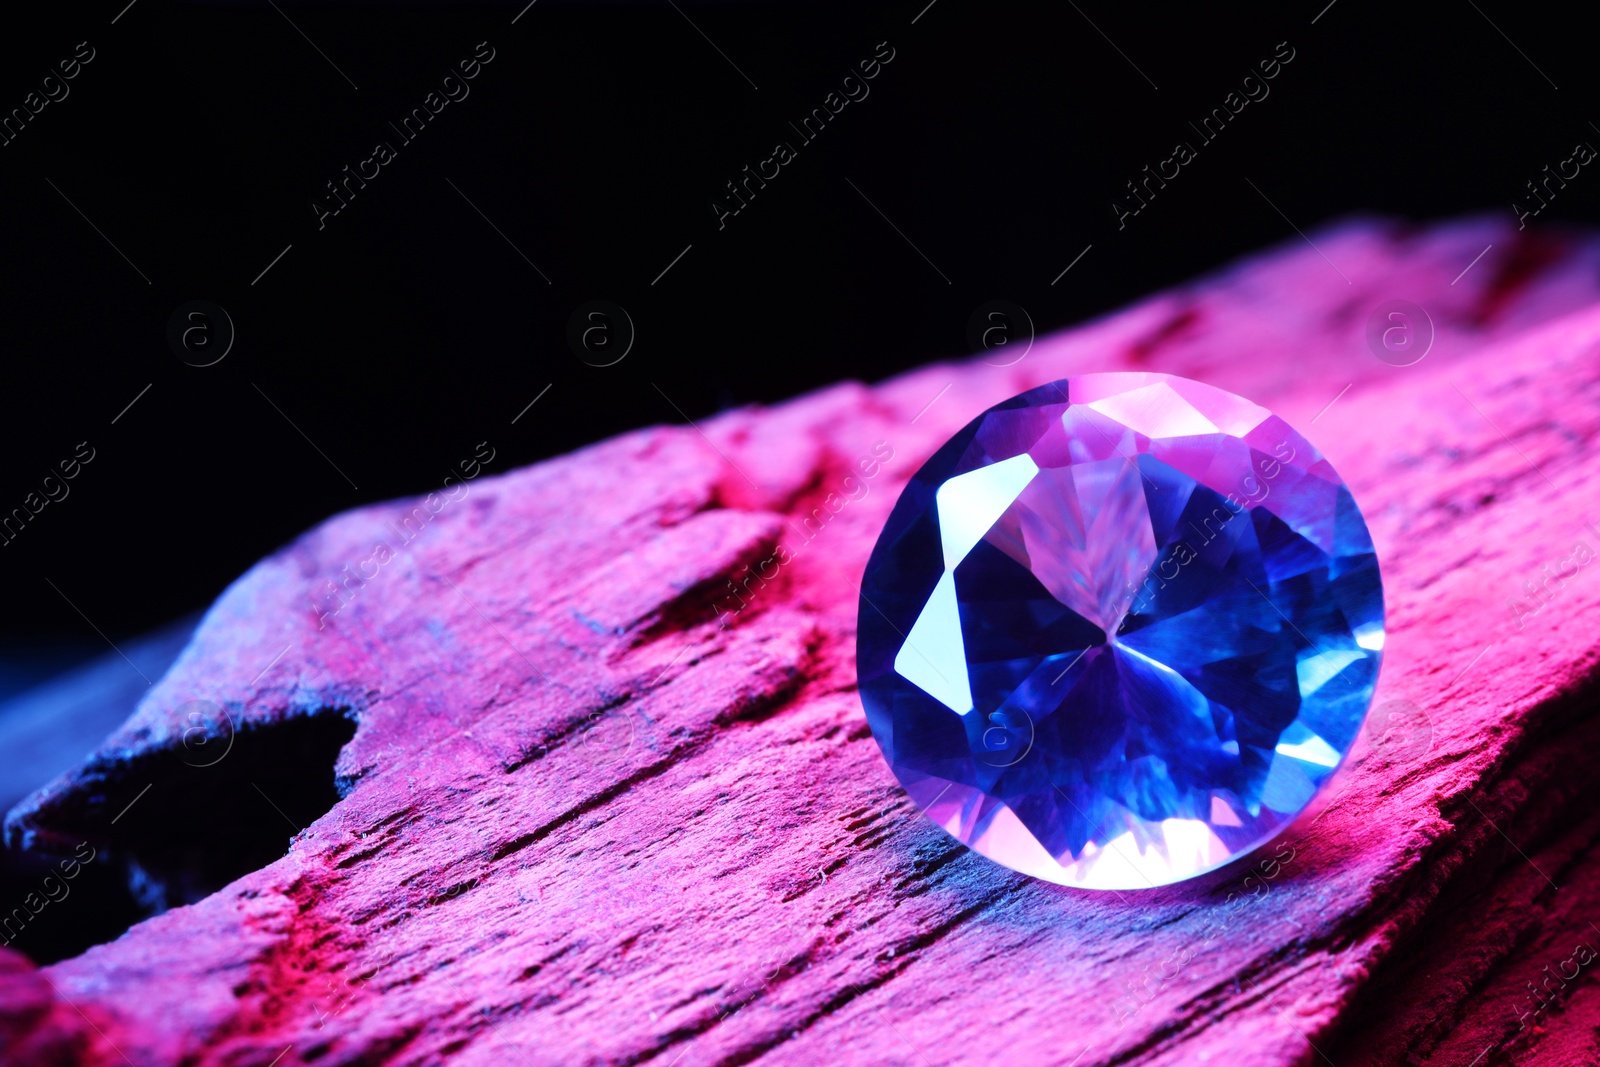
x=1119, y=630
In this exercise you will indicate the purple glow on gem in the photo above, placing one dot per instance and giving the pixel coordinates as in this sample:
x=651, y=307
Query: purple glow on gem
x=1119, y=630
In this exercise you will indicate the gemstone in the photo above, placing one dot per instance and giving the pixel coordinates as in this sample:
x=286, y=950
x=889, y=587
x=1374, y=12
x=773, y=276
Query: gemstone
x=1120, y=630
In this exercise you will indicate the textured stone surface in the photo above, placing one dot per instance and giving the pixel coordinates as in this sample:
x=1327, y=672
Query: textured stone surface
x=598, y=811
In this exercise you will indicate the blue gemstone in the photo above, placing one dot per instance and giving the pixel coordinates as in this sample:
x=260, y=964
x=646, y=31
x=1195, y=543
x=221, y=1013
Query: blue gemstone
x=1119, y=630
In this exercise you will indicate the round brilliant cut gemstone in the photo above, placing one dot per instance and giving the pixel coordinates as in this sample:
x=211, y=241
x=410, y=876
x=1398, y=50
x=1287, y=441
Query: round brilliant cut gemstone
x=1119, y=630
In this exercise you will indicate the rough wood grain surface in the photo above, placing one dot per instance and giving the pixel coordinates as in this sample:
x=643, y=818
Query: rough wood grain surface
x=597, y=811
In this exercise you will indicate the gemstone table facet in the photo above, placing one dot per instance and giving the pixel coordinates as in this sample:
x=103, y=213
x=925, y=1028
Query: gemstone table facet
x=1120, y=630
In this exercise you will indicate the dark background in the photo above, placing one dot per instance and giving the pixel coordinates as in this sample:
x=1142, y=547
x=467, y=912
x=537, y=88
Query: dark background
x=409, y=329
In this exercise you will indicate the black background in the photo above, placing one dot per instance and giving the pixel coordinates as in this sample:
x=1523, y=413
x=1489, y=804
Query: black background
x=408, y=329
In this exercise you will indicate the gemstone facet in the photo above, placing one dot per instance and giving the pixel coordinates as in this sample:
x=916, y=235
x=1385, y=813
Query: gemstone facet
x=1119, y=630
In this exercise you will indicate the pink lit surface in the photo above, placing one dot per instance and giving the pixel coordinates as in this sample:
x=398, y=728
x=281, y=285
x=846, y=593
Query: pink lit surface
x=736, y=877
